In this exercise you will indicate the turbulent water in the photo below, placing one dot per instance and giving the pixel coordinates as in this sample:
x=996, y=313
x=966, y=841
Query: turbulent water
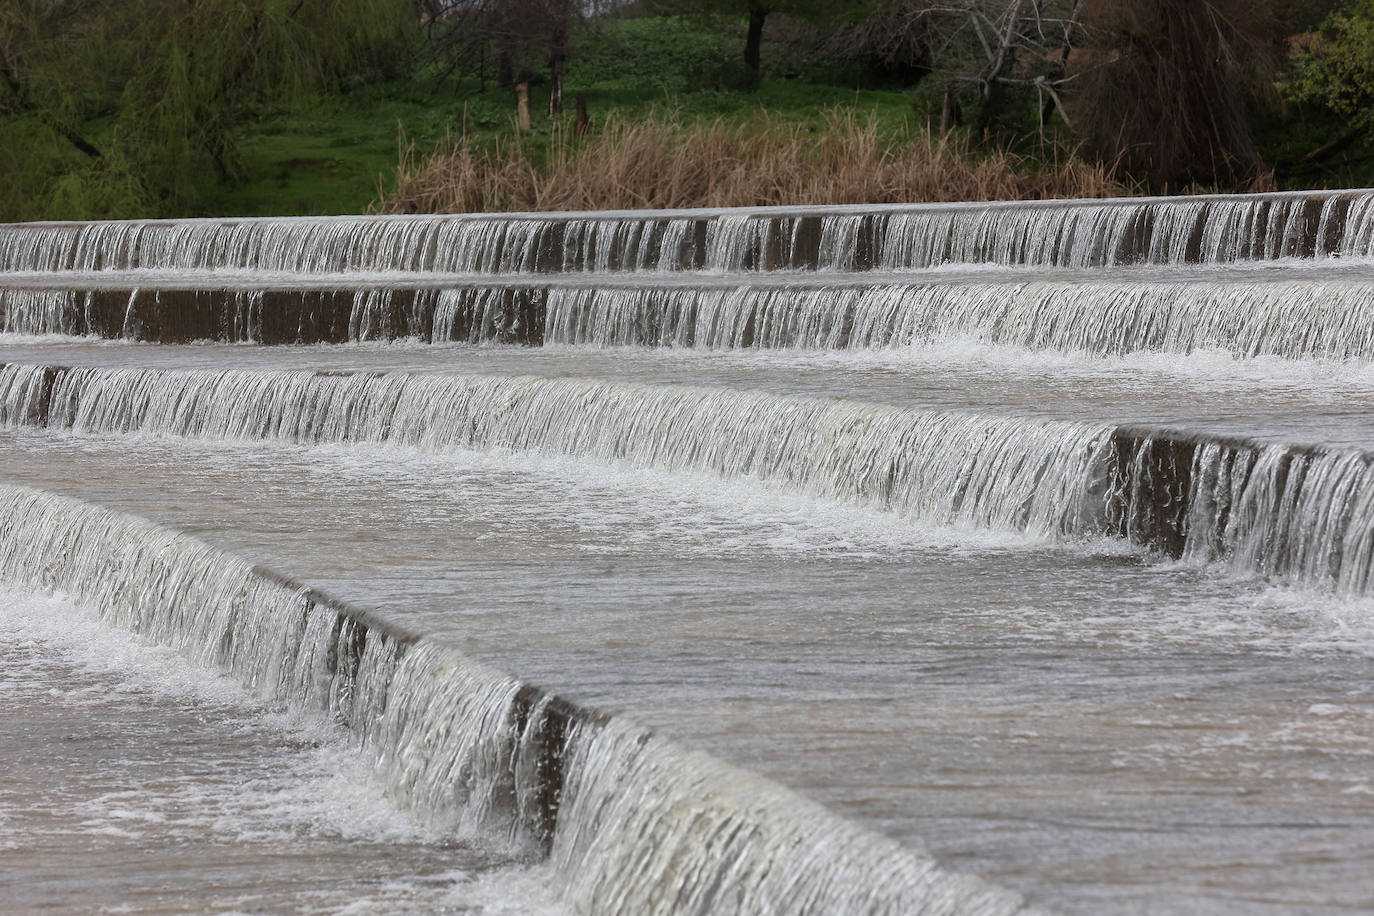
x=946, y=559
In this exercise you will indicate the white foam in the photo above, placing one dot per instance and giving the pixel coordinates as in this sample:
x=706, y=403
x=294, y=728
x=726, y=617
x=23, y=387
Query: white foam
x=329, y=791
x=281, y=778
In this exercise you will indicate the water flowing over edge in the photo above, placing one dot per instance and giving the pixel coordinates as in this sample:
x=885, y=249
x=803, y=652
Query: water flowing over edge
x=633, y=823
x=1080, y=233
x=1292, y=320
x=1295, y=514
x=944, y=468
x=1302, y=319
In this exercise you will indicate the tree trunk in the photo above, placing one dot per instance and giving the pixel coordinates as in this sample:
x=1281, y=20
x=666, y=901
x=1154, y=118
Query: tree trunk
x=558, y=55
x=1333, y=146
x=1061, y=66
x=77, y=141
x=21, y=98
x=998, y=66
x=753, y=43
x=505, y=66
x=555, y=87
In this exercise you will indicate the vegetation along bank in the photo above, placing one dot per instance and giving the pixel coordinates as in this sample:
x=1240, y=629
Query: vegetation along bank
x=142, y=108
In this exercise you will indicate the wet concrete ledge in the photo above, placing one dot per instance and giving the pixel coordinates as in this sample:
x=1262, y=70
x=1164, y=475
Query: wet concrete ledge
x=1151, y=488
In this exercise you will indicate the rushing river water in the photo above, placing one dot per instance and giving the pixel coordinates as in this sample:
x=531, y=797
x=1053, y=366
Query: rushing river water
x=950, y=559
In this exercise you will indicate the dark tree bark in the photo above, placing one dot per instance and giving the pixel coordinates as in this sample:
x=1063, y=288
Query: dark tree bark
x=1172, y=100
x=522, y=105
x=558, y=55
x=1001, y=63
x=950, y=114
x=754, y=42
x=1061, y=66
x=505, y=66
x=555, y=86
x=1331, y=147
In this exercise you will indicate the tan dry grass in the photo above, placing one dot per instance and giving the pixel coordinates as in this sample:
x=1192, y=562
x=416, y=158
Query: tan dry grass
x=663, y=163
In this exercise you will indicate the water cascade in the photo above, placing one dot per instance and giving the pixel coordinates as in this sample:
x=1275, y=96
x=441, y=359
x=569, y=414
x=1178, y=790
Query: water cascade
x=1059, y=275
x=942, y=468
x=1297, y=514
x=1083, y=233
x=1294, y=513
x=635, y=824
x=993, y=600
x=1291, y=319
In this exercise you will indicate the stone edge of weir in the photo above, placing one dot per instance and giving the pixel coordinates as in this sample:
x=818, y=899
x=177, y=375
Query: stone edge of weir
x=819, y=210
x=327, y=656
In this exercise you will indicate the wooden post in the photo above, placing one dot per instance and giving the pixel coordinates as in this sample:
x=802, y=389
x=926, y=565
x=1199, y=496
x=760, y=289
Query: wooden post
x=950, y=116
x=522, y=105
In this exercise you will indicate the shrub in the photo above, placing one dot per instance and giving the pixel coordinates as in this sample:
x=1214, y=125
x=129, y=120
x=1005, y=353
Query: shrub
x=1335, y=69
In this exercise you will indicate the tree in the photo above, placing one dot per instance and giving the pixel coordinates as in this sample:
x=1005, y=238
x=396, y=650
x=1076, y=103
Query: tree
x=983, y=50
x=1335, y=68
x=1018, y=45
x=895, y=41
x=23, y=26
x=1167, y=89
x=756, y=12
x=149, y=94
x=519, y=34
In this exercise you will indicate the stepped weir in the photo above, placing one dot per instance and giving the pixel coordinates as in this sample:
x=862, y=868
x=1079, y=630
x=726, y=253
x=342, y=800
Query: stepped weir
x=966, y=559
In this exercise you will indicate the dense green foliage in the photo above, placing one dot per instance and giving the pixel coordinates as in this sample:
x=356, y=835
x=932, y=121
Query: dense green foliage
x=132, y=108
x=1335, y=70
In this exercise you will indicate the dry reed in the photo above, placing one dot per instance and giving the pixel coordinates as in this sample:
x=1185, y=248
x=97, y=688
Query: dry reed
x=662, y=162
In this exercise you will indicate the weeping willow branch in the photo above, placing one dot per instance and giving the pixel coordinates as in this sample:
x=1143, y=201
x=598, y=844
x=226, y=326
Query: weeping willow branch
x=22, y=104
x=154, y=92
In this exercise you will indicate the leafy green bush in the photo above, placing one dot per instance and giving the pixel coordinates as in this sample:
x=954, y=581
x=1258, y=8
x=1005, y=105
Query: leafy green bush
x=1335, y=70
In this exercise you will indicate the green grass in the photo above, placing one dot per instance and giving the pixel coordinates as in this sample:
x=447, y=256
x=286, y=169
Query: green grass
x=326, y=157
x=330, y=157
